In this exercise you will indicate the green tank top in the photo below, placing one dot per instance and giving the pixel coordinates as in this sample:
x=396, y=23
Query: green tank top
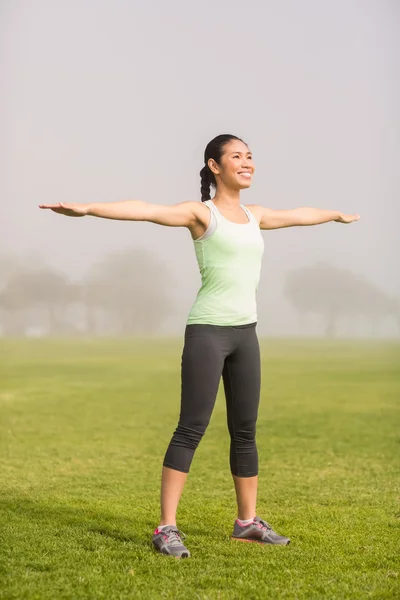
x=229, y=257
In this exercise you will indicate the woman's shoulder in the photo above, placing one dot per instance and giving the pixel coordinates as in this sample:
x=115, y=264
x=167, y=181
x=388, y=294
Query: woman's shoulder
x=198, y=209
x=194, y=206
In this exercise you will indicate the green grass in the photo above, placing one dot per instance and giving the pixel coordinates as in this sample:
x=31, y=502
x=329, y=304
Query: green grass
x=83, y=430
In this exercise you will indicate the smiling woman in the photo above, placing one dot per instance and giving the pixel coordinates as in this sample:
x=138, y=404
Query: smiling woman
x=237, y=170
x=220, y=336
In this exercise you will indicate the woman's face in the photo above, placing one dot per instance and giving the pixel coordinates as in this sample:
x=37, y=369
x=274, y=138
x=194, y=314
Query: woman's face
x=236, y=167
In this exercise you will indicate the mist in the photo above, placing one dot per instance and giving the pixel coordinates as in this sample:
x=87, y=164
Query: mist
x=110, y=101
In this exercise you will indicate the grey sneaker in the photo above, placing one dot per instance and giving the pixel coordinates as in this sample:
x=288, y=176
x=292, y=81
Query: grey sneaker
x=258, y=531
x=169, y=541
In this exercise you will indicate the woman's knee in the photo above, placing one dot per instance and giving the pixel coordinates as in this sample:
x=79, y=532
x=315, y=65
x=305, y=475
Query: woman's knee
x=243, y=432
x=188, y=437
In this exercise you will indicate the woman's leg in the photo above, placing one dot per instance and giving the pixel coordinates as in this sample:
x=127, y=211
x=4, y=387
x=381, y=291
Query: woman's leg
x=172, y=483
x=246, y=496
x=242, y=381
x=202, y=363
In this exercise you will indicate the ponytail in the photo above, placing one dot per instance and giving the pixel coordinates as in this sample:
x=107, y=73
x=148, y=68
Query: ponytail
x=205, y=183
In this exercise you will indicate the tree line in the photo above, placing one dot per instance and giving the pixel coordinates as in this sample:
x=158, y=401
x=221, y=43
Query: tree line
x=130, y=293
x=334, y=293
x=123, y=294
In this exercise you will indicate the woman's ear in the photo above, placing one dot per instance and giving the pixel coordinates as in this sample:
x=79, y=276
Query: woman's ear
x=213, y=166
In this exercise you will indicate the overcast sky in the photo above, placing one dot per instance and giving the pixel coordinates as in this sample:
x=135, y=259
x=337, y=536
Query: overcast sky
x=113, y=100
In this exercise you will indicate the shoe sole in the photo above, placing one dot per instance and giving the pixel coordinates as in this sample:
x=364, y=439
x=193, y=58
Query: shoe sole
x=258, y=542
x=183, y=555
x=166, y=553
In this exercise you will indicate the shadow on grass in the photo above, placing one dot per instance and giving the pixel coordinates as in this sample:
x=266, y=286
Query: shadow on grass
x=58, y=519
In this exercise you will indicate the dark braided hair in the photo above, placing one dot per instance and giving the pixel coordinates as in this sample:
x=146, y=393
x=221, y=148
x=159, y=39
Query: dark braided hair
x=214, y=150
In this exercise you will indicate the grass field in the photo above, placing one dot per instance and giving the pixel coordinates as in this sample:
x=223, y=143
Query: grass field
x=83, y=430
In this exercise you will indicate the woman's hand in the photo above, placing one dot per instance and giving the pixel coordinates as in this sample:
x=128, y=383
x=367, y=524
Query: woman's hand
x=70, y=210
x=347, y=218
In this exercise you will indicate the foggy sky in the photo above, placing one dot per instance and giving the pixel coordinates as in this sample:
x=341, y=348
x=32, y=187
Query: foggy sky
x=105, y=101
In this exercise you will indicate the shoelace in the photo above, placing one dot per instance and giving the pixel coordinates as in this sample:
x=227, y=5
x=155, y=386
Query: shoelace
x=263, y=524
x=174, y=536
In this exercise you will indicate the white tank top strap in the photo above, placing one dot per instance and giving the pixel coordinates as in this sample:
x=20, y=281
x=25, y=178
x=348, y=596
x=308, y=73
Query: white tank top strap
x=248, y=213
x=212, y=226
x=212, y=207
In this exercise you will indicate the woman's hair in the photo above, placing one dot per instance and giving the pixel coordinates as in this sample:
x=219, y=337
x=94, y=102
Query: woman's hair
x=214, y=150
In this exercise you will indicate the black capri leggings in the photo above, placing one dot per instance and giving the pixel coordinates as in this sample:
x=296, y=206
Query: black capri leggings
x=209, y=351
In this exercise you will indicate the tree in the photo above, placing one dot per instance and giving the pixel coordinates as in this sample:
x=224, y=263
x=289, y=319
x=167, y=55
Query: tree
x=131, y=289
x=13, y=319
x=39, y=287
x=333, y=292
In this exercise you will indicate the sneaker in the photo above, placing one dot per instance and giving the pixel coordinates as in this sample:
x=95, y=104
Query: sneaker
x=169, y=541
x=258, y=531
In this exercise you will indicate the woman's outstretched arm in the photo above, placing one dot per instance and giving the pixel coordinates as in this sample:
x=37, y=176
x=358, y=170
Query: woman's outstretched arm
x=184, y=214
x=275, y=219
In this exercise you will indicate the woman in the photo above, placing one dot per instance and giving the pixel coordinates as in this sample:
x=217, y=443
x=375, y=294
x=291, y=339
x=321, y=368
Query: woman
x=220, y=336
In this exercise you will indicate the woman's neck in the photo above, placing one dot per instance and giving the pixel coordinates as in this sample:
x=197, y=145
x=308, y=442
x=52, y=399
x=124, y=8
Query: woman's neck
x=228, y=198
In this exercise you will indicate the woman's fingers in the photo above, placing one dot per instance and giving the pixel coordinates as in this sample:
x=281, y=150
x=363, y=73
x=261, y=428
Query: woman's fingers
x=53, y=206
x=70, y=210
x=348, y=218
x=351, y=218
